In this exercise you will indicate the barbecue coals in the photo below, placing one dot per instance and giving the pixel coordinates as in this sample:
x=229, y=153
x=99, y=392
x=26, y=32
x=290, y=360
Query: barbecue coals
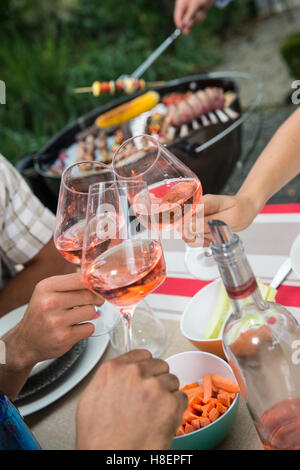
x=176, y=116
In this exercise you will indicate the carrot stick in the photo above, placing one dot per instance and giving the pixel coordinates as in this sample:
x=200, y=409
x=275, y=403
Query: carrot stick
x=195, y=401
x=188, y=415
x=180, y=431
x=189, y=386
x=189, y=428
x=193, y=391
x=207, y=387
x=213, y=414
x=224, y=399
x=206, y=409
x=221, y=408
x=224, y=383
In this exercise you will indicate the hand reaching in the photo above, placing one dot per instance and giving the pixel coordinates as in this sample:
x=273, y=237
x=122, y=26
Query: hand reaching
x=188, y=12
x=132, y=403
x=236, y=211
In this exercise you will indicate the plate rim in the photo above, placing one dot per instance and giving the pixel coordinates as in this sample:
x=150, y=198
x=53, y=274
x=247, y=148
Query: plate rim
x=96, y=347
x=90, y=356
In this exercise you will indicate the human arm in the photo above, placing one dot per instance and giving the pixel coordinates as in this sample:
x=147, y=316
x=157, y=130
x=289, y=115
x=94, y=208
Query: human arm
x=49, y=328
x=278, y=164
x=189, y=12
x=132, y=403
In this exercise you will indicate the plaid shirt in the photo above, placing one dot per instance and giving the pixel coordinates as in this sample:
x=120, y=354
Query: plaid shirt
x=25, y=224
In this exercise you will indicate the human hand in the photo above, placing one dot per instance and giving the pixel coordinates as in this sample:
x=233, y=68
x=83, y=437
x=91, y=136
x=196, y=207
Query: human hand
x=236, y=211
x=131, y=403
x=188, y=12
x=50, y=326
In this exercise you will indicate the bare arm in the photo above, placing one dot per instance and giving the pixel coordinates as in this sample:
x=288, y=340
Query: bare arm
x=278, y=164
x=48, y=262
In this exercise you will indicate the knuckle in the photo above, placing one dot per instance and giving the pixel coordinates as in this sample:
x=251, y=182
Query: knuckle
x=135, y=370
x=153, y=386
x=47, y=303
x=61, y=338
x=109, y=368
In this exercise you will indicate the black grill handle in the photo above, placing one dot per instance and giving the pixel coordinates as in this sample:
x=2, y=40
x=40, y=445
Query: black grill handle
x=189, y=147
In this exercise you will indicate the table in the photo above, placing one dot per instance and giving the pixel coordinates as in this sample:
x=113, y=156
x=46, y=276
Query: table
x=267, y=242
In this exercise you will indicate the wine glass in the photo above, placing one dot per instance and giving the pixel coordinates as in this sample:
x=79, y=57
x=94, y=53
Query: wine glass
x=70, y=223
x=175, y=193
x=122, y=259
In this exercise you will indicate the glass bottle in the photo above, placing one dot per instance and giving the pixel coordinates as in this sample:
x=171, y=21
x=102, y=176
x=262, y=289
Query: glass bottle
x=14, y=434
x=262, y=343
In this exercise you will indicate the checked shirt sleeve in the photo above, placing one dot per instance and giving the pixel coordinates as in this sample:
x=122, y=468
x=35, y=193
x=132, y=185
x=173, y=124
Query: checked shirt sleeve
x=26, y=224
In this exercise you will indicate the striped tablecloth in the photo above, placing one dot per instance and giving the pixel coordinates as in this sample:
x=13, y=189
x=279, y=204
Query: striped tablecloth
x=267, y=243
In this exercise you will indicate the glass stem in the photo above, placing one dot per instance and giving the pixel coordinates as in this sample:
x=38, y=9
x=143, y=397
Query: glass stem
x=127, y=314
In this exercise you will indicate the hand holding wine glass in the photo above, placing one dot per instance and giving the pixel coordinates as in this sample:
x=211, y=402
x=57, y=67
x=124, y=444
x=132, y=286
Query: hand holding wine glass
x=122, y=259
x=175, y=193
x=71, y=219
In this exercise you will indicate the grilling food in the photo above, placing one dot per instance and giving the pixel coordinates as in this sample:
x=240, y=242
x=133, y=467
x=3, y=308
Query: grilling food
x=170, y=117
x=127, y=111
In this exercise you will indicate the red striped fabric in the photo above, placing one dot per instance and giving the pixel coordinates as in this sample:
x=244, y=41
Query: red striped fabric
x=287, y=295
x=281, y=209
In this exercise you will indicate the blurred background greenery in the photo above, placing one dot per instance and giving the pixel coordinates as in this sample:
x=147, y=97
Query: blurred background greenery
x=47, y=48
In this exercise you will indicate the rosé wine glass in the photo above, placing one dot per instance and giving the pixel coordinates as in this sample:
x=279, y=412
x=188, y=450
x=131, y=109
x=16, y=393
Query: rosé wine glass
x=175, y=193
x=70, y=223
x=122, y=260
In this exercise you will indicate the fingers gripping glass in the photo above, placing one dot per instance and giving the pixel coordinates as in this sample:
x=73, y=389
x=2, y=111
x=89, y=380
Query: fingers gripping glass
x=175, y=193
x=71, y=219
x=122, y=258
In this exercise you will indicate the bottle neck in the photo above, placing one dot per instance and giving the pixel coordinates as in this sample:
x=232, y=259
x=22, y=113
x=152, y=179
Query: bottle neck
x=238, y=278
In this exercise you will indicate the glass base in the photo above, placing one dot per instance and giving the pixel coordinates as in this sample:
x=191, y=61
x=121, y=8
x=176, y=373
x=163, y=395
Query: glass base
x=200, y=265
x=148, y=332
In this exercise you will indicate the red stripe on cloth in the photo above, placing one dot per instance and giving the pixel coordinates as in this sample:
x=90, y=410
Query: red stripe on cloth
x=287, y=295
x=181, y=286
x=281, y=209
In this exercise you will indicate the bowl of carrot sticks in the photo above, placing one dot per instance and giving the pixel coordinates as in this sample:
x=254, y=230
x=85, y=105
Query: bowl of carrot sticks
x=213, y=396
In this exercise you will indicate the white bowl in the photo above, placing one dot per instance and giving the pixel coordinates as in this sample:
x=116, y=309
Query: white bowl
x=189, y=367
x=196, y=316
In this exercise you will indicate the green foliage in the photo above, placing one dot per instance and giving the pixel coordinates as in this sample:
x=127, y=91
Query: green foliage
x=290, y=51
x=48, y=48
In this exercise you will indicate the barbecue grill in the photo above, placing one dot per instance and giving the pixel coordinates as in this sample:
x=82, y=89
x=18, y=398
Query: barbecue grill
x=211, y=151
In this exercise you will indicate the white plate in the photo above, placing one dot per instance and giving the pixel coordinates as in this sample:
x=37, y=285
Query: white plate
x=295, y=256
x=95, y=349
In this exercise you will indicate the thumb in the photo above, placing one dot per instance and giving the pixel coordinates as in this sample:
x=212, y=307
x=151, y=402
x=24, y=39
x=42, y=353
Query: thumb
x=211, y=203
